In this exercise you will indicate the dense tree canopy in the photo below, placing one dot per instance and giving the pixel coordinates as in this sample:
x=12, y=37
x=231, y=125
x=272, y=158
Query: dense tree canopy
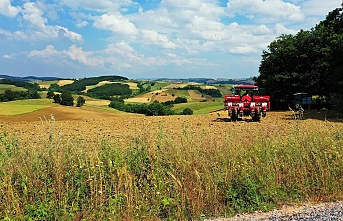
x=108, y=90
x=310, y=61
x=18, y=95
x=67, y=99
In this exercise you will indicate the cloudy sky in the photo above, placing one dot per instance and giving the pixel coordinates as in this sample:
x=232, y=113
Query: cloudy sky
x=147, y=38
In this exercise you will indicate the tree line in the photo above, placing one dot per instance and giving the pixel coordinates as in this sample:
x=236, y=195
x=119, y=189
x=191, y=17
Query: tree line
x=26, y=85
x=31, y=93
x=19, y=95
x=154, y=109
x=79, y=85
x=309, y=61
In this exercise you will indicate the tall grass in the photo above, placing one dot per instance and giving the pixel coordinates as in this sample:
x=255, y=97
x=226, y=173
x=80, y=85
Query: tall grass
x=168, y=178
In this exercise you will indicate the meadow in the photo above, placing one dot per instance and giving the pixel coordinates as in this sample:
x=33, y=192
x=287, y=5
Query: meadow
x=4, y=87
x=68, y=163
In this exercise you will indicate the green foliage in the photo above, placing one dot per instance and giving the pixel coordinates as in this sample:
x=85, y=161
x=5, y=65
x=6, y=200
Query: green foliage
x=108, y=90
x=55, y=88
x=50, y=95
x=80, y=101
x=154, y=109
x=80, y=84
x=67, y=99
x=28, y=86
x=310, y=61
x=10, y=95
x=187, y=111
x=158, y=109
x=57, y=98
x=180, y=100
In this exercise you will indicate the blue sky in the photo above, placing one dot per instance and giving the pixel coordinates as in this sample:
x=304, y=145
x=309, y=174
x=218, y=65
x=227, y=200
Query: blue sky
x=147, y=38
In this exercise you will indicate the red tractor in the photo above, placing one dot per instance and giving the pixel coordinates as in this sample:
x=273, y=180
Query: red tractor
x=246, y=101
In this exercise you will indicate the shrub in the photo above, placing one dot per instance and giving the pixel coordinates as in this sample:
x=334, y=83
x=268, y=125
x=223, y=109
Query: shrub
x=57, y=98
x=80, y=101
x=50, y=95
x=187, y=111
x=180, y=100
x=67, y=99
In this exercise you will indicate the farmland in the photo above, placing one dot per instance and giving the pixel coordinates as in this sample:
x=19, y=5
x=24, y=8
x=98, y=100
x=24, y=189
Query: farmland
x=96, y=163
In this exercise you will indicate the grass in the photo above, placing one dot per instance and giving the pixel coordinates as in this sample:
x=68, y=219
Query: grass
x=159, y=85
x=4, y=87
x=24, y=106
x=199, y=107
x=167, y=178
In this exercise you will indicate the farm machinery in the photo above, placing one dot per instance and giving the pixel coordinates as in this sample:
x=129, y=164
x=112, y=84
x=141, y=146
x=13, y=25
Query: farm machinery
x=246, y=101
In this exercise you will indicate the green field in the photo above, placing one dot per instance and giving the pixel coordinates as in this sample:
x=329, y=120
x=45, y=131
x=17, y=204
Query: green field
x=159, y=85
x=199, y=107
x=4, y=87
x=225, y=89
x=23, y=106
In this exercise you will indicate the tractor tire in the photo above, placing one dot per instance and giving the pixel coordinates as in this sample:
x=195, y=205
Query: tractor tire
x=234, y=117
x=256, y=118
x=297, y=105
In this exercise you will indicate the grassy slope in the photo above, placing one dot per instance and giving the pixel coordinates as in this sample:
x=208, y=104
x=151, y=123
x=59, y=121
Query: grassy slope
x=4, y=87
x=23, y=106
x=199, y=107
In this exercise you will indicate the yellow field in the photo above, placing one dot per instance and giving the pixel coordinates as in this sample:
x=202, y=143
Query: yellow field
x=65, y=82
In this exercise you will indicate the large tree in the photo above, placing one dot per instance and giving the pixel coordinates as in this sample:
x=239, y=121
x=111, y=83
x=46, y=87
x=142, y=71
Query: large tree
x=67, y=99
x=310, y=61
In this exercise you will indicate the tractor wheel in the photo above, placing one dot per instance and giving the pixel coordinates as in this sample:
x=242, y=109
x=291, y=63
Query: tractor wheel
x=234, y=116
x=256, y=118
x=297, y=105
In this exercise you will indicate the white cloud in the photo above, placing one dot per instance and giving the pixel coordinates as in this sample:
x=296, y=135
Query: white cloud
x=7, y=56
x=85, y=57
x=319, y=7
x=281, y=29
x=49, y=51
x=275, y=9
x=82, y=24
x=7, y=9
x=175, y=34
x=154, y=38
x=39, y=30
x=33, y=14
x=116, y=23
x=97, y=5
x=208, y=29
x=246, y=49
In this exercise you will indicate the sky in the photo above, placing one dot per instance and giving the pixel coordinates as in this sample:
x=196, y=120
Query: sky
x=147, y=38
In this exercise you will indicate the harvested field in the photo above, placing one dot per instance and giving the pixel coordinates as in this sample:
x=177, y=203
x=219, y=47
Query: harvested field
x=89, y=156
x=195, y=95
x=92, y=124
x=65, y=82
